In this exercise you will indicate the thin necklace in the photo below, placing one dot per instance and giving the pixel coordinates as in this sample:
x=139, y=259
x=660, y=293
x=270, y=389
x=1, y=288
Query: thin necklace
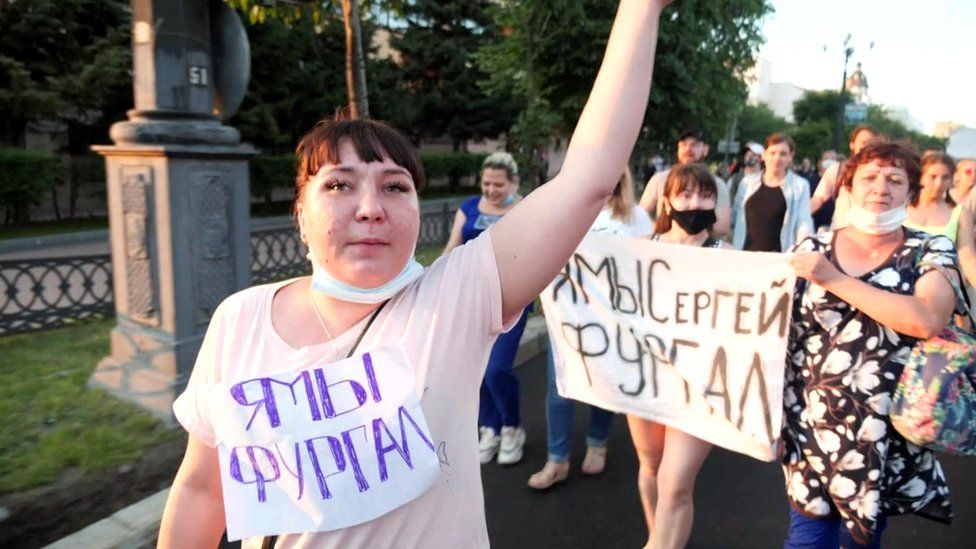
x=328, y=334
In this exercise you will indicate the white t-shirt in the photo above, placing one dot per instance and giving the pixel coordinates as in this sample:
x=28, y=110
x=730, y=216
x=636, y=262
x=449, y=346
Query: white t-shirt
x=828, y=188
x=638, y=225
x=447, y=321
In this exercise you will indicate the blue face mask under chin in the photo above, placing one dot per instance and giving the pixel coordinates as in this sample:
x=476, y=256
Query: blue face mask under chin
x=324, y=282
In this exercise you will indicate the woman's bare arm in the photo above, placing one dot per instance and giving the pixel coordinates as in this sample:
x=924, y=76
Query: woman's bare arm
x=922, y=315
x=536, y=238
x=455, y=239
x=194, y=514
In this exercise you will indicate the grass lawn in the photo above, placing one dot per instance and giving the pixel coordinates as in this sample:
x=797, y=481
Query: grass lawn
x=426, y=256
x=52, y=421
x=45, y=228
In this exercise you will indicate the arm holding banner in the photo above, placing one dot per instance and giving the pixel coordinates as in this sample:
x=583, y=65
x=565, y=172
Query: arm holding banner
x=922, y=315
x=455, y=238
x=194, y=514
x=536, y=238
x=826, y=189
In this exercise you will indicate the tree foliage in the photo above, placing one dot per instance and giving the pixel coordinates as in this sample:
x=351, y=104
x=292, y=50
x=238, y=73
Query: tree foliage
x=757, y=122
x=704, y=48
x=64, y=59
x=552, y=50
x=816, y=116
x=297, y=76
x=438, y=90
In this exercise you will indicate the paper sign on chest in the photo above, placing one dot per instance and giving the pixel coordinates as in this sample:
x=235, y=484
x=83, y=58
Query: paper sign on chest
x=690, y=337
x=324, y=448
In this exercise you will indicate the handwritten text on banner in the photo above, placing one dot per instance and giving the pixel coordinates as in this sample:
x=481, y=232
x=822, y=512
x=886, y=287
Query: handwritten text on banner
x=693, y=338
x=323, y=448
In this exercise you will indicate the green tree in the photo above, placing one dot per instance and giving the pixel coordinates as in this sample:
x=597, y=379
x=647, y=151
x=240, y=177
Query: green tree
x=319, y=11
x=64, y=59
x=813, y=138
x=296, y=77
x=438, y=90
x=757, y=122
x=815, y=115
x=552, y=49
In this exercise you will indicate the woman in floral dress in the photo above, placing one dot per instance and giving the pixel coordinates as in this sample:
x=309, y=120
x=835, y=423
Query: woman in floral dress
x=868, y=292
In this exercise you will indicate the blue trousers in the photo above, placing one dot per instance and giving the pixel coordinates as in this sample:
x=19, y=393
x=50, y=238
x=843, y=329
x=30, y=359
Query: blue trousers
x=499, y=406
x=559, y=419
x=826, y=533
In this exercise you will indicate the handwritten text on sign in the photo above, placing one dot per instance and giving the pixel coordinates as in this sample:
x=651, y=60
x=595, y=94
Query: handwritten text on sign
x=690, y=337
x=323, y=448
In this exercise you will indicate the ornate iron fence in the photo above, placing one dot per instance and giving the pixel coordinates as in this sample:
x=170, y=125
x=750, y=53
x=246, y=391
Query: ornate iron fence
x=39, y=294
x=47, y=293
x=277, y=254
x=435, y=226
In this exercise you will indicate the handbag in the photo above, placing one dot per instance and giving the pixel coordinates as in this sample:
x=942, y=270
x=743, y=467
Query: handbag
x=934, y=404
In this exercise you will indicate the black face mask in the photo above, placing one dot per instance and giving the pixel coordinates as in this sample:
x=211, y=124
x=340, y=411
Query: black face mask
x=693, y=221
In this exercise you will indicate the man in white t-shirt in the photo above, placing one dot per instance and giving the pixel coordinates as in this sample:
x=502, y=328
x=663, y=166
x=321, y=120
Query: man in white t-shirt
x=691, y=148
x=829, y=187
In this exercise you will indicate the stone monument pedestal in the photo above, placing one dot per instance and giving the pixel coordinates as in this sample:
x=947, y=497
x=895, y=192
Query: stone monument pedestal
x=180, y=237
x=178, y=196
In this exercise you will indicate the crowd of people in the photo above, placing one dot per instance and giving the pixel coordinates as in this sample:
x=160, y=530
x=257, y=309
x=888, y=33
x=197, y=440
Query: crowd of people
x=879, y=269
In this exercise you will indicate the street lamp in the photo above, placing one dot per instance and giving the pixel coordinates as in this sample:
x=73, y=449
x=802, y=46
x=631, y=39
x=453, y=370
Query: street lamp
x=841, y=100
x=839, y=123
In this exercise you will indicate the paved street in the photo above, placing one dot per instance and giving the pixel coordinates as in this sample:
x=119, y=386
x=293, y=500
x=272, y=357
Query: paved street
x=740, y=502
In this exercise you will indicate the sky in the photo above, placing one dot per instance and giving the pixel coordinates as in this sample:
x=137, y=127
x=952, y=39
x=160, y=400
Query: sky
x=924, y=54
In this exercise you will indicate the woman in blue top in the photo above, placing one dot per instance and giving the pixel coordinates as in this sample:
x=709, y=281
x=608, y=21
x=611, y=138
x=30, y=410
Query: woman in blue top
x=499, y=418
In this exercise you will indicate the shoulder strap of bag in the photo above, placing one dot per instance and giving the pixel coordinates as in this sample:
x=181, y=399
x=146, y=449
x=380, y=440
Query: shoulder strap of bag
x=269, y=541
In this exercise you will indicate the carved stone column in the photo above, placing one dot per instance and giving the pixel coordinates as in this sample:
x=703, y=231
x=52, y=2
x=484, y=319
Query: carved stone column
x=178, y=202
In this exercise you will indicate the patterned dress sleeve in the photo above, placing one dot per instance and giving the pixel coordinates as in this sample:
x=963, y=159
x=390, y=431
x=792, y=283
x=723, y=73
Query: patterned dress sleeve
x=939, y=253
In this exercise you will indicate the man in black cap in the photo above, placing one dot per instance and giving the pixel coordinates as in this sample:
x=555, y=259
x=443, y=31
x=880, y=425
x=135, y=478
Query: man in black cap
x=691, y=148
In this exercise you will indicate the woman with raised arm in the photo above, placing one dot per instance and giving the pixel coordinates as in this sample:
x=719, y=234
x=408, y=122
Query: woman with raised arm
x=271, y=379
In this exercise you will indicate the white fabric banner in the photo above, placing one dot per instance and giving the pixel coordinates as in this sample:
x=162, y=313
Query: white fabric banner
x=324, y=448
x=690, y=337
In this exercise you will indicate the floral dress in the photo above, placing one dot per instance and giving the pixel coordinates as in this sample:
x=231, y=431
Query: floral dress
x=842, y=455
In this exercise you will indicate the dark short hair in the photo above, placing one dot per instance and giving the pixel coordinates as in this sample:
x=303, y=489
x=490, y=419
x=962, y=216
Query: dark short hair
x=692, y=132
x=780, y=137
x=889, y=153
x=373, y=141
x=682, y=177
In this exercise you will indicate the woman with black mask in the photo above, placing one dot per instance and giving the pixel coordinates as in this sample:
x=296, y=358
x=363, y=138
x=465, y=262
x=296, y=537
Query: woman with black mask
x=669, y=458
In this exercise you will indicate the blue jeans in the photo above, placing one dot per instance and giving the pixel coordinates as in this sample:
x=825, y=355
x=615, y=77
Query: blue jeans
x=826, y=533
x=499, y=405
x=559, y=419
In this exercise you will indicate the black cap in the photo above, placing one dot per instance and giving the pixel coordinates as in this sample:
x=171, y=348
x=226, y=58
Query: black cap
x=692, y=132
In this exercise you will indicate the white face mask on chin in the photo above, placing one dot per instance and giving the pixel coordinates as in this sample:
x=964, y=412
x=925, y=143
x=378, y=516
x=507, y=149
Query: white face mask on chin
x=324, y=282
x=877, y=223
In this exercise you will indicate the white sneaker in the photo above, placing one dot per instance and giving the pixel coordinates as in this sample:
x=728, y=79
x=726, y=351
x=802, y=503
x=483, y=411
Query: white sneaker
x=488, y=444
x=513, y=439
